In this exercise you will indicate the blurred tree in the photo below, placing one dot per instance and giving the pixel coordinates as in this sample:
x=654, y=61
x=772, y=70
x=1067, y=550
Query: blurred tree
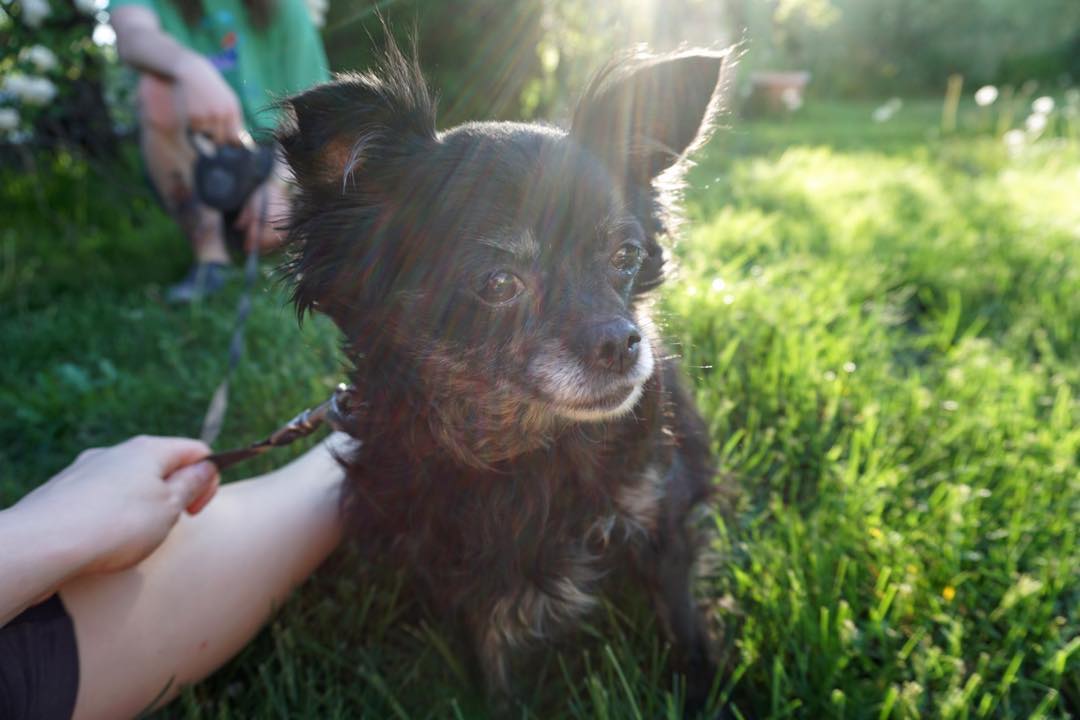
x=480, y=55
x=516, y=58
x=880, y=47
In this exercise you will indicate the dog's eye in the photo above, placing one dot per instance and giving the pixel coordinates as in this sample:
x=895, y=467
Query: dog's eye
x=501, y=287
x=628, y=258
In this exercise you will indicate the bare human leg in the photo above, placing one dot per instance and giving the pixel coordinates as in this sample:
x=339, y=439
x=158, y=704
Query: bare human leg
x=203, y=594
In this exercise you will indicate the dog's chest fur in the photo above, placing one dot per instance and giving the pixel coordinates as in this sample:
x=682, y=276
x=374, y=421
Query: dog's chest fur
x=524, y=543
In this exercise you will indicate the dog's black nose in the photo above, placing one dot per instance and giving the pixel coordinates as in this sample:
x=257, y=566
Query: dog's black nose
x=615, y=345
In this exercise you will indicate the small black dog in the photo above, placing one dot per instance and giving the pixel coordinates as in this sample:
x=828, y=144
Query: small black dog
x=525, y=434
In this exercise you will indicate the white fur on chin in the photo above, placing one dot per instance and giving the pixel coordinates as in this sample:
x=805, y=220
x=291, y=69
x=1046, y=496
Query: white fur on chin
x=563, y=379
x=590, y=415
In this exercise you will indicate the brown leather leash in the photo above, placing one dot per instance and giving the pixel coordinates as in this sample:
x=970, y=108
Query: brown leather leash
x=336, y=413
x=221, y=184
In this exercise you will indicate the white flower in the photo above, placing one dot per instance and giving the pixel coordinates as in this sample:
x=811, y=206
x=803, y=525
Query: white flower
x=35, y=11
x=43, y=91
x=103, y=35
x=1035, y=123
x=986, y=95
x=42, y=58
x=87, y=7
x=15, y=84
x=317, y=9
x=29, y=89
x=1043, y=105
x=9, y=119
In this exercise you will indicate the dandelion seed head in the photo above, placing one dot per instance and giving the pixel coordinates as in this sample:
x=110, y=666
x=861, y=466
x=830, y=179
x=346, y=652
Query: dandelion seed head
x=885, y=112
x=986, y=95
x=1014, y=140
x=1043, y=105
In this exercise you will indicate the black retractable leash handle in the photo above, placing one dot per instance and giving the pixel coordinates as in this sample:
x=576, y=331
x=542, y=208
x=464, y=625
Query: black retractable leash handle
x=224, y=180
x=226, y=177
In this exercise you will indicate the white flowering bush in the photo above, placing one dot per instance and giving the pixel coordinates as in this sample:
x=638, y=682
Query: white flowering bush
x=52, y=72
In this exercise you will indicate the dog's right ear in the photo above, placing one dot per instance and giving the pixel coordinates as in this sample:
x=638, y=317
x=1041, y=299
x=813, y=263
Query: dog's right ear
x=333, y=132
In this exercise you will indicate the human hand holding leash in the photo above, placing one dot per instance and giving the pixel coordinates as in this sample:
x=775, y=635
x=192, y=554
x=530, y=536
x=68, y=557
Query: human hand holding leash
x=105, y=512
x=119, y=503
x=209, y=104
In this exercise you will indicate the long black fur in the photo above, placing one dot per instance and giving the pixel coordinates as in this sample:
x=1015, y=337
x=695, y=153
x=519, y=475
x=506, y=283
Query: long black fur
x=497, y=497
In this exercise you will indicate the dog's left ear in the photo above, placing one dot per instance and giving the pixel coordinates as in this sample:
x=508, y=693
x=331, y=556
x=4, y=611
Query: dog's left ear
x=642, y=116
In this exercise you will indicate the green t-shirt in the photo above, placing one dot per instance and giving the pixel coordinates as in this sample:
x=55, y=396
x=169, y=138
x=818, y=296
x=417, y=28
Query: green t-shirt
x=261, y=66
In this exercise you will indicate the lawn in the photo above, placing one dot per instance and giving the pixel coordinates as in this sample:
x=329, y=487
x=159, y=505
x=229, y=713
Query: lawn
x=883, y=328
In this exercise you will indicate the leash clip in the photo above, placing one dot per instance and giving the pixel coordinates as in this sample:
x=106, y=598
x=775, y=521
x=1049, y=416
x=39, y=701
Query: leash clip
x=337, y=413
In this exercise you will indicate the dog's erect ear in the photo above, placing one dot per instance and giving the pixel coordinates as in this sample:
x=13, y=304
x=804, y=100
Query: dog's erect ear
x=640, y=116
x=350, y=143
x=336, y=130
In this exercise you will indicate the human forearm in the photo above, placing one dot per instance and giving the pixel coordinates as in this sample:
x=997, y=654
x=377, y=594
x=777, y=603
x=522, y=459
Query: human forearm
x=202, y=100
x=37, y=554
x=142, y=44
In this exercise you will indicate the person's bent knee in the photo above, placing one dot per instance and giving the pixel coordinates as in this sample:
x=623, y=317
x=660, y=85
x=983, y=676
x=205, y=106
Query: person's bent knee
x=157, y=105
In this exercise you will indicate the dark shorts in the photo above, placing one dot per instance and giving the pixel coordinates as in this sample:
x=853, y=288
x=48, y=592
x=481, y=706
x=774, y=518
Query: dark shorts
x=39, y=664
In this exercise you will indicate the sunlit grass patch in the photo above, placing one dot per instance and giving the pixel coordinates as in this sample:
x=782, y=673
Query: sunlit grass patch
x=886, y=346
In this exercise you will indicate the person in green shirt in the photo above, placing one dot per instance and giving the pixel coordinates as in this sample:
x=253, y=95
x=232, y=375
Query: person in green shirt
x=215, y=68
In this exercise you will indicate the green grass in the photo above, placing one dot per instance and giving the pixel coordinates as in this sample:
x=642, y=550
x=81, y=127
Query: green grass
x=883, y=328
